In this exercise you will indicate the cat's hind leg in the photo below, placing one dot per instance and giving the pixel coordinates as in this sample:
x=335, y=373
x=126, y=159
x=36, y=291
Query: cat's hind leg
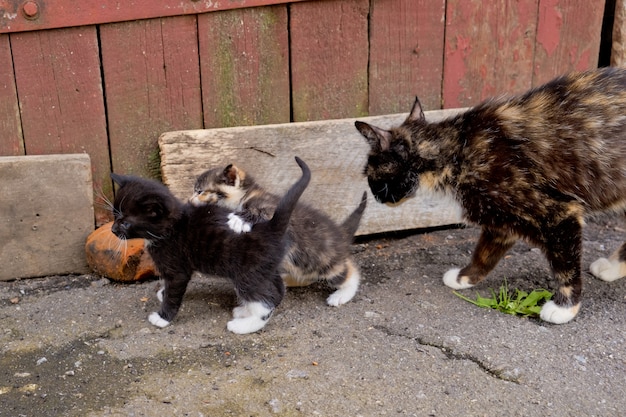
x=610, y=269
x=491, y=247
x=249, y=317
x=347, y=285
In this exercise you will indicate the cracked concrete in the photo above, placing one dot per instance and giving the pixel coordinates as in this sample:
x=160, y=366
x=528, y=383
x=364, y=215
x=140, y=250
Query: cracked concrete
x=405, y=345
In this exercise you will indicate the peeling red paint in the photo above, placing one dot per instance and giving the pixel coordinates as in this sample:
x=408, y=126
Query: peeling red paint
x=550, y=24
x=455, y=71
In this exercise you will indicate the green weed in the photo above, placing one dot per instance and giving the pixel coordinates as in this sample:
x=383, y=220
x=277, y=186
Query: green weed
x=521, y=303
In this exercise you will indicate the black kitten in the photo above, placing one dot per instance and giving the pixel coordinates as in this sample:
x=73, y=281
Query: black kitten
x=182, y=238
x=531, y=166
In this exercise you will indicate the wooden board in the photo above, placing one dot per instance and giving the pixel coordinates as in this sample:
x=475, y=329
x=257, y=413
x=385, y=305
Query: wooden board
x=57, y=74
x=11, y=139
x=47, y=214
x=244, y=59
x=334, y=150
x=489, y=49
x=618, y=47
x=568, y=37
x=406, y=46
x=152, y=79
x=329, y=59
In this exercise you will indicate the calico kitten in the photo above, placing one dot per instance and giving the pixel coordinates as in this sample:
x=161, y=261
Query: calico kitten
x=182, y=238
x=317, y=248
x=531, y=166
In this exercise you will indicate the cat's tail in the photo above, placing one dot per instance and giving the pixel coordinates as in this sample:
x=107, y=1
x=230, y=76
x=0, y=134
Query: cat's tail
x=351, y=223
x=288, y=202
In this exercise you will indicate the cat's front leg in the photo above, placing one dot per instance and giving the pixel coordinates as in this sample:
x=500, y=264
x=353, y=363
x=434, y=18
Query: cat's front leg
x=171, y=297
x=563, y=249
x=238, y=224
x=491, y=247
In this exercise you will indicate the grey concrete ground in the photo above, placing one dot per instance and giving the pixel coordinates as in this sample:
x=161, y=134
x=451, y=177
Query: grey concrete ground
x=406, y=345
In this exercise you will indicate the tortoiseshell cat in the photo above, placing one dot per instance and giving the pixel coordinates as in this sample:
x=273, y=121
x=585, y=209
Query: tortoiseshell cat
x=317, y=248
x=531, y=166
x=182, y=238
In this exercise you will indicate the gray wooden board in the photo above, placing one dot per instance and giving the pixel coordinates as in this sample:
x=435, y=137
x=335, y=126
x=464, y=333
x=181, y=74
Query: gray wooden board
x=46, y=214
x=333, y=149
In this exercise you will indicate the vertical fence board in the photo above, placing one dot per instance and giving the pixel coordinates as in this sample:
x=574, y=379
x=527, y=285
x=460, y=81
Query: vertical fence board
x=329, y=59
x=406, y=54
x=11, y=138
x=244, y=60
x=568, y=37
x=489, y=49
x=57, y=74
x=152, y=79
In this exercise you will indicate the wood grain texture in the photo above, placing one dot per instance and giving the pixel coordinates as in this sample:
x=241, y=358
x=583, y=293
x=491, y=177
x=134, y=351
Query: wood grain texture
x=568, y=37
x=489, y=49
x=11, y=138
x=152, y=81
x=333, y=149
x=405, y=57
x=329, y=59
x=47, y=214
x=244, y=59
x=58, y=81
x=618, y=47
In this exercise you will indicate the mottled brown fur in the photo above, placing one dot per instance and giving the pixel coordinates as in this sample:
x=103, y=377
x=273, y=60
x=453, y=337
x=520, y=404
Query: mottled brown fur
x=530, y=166
x=317, y=248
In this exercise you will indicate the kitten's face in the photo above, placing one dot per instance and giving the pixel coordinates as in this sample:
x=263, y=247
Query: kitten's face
x=142, y=209
x=219, y=186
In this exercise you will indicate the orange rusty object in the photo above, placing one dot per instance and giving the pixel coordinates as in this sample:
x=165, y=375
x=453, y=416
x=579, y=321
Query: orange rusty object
x=22, y=16
x=109, y=256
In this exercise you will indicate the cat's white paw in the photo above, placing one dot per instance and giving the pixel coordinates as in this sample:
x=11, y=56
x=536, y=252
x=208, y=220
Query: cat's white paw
x=237, y=224
x=553, y=313
x=157, y=320
x=345, y=292
x=257, y=315
x=608, y=269
x=450, y=278
x=160, y=294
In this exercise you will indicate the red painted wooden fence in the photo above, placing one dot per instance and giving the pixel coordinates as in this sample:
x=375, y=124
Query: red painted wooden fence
x=108, y=77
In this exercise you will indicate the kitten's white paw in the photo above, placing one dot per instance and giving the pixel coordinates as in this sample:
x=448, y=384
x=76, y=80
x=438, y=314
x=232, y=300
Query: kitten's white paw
x=157, y=320
x=241, y=312
x=257, y=315
x=608, y=269
x=160, y=294
x=237, y=224
x=553, y=313
x=345, y=292
x=450, y=278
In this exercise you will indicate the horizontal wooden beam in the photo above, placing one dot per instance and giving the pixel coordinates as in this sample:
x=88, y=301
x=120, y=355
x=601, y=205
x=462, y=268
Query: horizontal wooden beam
x=22, y=16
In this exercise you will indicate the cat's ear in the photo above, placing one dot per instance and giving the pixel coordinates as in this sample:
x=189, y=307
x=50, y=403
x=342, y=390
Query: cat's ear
x=379, y=139
x=417, y=114
x=233, y=175
x=118, y=179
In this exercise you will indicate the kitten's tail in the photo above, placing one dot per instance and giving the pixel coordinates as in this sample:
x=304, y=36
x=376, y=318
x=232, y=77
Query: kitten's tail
x=288, y=202
x=351, y=223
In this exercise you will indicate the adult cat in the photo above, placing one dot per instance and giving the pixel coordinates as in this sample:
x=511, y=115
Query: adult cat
x=530, y=166
x=182, y=238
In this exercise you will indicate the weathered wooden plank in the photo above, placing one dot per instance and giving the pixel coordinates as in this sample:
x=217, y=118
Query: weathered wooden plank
x=406, y=49
x=334, y=150
x=244, y=60
x=489, y=49
x=57, y=74
x=19, y=15
x=568, y=37
x=11, y=138
x=329, y=59
x=152, y=80
x=47, y=214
